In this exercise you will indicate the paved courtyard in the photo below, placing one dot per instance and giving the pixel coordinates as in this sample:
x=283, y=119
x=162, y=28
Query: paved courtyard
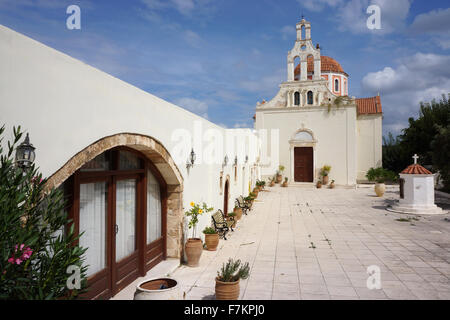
x=305, y=243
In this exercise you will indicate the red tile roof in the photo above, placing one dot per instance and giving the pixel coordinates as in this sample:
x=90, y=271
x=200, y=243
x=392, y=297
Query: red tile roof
x=416, y=169
x=369, y=105
x=328, y=64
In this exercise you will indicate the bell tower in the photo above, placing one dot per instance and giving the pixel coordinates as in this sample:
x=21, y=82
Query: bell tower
x=303, y=49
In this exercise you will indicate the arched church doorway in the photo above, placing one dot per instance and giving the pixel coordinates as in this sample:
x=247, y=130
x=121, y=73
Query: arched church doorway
x=124, y=192
x=304, y=164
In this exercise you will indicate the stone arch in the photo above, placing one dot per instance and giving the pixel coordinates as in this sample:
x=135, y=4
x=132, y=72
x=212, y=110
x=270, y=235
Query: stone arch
x=154, y=151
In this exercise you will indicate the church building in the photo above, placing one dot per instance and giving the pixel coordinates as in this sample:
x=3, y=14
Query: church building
x=317, y=122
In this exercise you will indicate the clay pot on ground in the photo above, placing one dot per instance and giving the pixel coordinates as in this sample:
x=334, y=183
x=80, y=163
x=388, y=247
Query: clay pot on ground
x=227, y=290
x=285, y=184
x=319, y=184
x=325, y=180
x=380, y=189
x=332, y=185
x=158, y=289
x=256, y=191
x=238, y=212
x=212, y=241
x=194, y=249
x=279, y=178
x=272, y=184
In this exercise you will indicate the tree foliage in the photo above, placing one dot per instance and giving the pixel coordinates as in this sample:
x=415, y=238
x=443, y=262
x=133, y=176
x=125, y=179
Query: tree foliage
x=36, y=244
x=426, y=136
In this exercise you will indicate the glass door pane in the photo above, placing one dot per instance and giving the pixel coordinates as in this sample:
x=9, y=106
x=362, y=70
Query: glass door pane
x=153, y=209
x=93, y=215
x=125, y=218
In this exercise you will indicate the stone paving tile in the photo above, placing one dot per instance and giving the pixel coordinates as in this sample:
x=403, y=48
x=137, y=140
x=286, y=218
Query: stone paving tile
x=276, y=239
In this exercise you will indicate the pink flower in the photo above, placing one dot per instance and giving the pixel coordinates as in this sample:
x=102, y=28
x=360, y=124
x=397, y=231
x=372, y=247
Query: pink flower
x=18, y=261
x=11, y=260
x=21, y=246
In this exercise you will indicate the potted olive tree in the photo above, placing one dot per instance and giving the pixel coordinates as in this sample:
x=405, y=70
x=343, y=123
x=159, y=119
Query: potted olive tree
x=194, y=246
x=380, y=175
x=279, y=176
x=238, y=212
x=285, y=183
x=211, y=238
x=228, y=279
x=272, y=182
x=324, y=172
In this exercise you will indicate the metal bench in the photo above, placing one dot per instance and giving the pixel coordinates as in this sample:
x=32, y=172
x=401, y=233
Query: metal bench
x=240, y=203
x=221, y=224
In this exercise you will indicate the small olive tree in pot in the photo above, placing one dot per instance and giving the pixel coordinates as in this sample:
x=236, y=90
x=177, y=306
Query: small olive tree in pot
x=228, y=278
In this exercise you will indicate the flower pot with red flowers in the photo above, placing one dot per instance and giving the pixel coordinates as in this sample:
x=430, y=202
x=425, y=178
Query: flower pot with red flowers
x=194, y=246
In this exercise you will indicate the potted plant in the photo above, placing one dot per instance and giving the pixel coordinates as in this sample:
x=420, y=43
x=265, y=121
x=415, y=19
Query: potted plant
x=272, y=182
x=324, y=172
x=279, y=176
x=211, y=238
x=228, y=279
x=319, y=184
x=249, y=200
x=380, y=175
x=238, y=212
x=256, y=191
x=232, y=216
x=285, y=183
x=194, y=246
x=332, y=184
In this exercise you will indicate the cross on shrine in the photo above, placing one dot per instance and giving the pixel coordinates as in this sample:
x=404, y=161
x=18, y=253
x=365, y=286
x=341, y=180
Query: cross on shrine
x=416, y=157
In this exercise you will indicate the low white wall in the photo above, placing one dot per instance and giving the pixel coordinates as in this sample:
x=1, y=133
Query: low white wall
x=66, y=105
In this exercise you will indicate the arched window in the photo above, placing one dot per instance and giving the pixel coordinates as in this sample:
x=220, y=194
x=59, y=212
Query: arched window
x=310, y=97
x=304, y=136
x=297, y=98
x=336, y=85
x=297, y=67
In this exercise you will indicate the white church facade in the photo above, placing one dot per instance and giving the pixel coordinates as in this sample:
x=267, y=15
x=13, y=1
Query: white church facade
x=317, y=122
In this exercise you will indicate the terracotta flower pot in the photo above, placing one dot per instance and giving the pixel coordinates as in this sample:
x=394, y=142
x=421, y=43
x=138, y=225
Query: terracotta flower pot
x=255, y=191
x=279, y=178
x=212, y=241
x=238, y=212
x=325, y=180
x=284, y=185
x=380, y=189
x=272, y=184
x=194, y=249
x=332, y=185
x=227, y=290
x=319, y=185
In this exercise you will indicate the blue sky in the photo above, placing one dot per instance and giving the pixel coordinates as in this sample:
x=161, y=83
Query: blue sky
x=217, y=58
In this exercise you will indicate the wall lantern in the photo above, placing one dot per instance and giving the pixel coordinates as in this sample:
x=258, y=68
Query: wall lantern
x=246, y=159
x=25, y=154
x=235, y=161
x=191, y=161
x=225, y=161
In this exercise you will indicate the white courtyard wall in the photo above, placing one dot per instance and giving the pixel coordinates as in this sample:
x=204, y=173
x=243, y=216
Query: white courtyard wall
x=67, y=105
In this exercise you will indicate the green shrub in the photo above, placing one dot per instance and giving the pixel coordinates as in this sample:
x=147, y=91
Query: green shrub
x=381, y=175
x=209, y=230
x=36, y=242
x=232, y=271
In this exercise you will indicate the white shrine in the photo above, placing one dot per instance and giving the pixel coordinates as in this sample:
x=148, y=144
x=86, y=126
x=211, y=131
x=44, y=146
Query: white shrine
x=416, y=191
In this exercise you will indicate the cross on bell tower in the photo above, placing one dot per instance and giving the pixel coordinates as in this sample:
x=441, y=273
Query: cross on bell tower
x=415, y=157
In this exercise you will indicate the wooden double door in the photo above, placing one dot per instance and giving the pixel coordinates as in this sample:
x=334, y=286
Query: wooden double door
x=123, y=229
x=303, y=164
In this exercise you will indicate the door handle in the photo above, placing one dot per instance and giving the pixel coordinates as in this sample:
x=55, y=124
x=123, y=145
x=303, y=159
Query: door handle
x=116, y=229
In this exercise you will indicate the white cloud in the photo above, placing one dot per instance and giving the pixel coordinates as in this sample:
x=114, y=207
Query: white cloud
x=194, y=105
x=418, y=78
x=264, y=84
x=184, y=7
x=288, y=32
x=435, y=23
x=319, y=5
x=352, y=15
x=193, y=39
